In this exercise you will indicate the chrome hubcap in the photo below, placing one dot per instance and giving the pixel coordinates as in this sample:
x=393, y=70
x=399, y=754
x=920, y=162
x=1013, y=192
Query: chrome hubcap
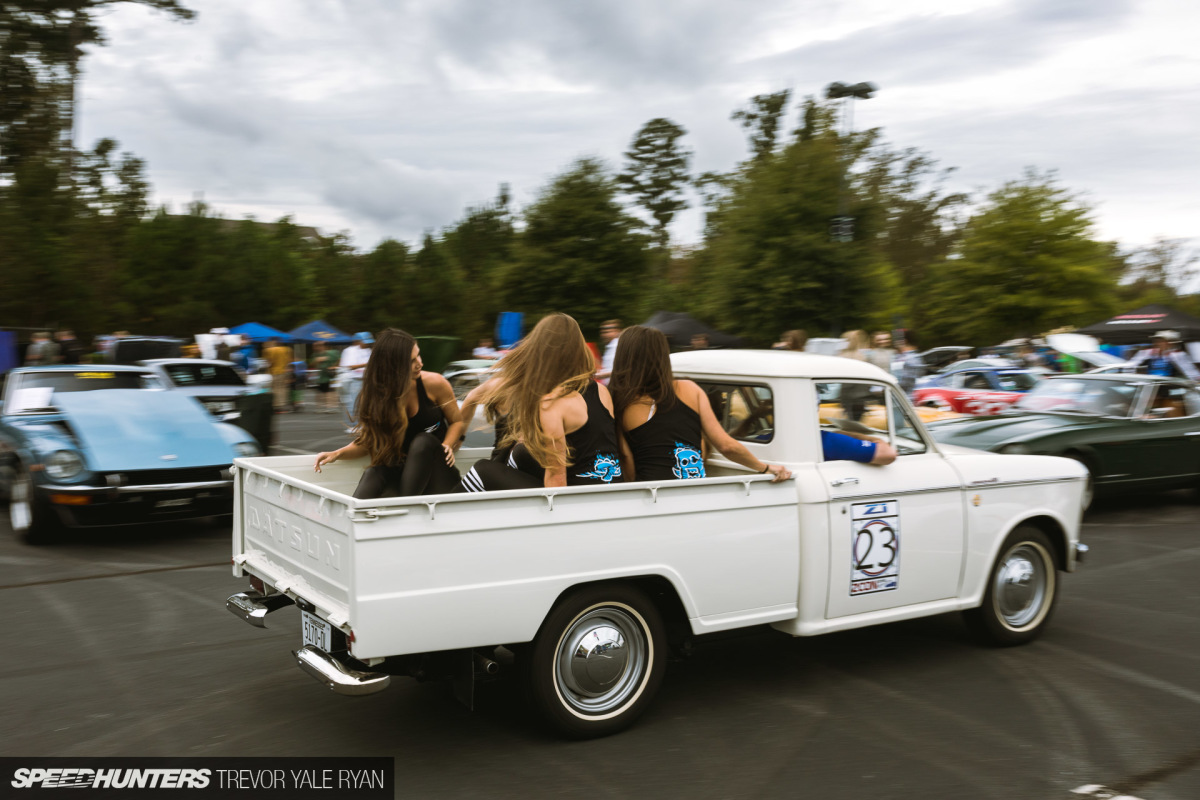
x=20, y=513
x=601, y=660
x=1022, y=585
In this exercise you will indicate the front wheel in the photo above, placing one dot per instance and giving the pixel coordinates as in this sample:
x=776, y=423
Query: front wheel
x=1021, y=590
x=597, y=661
x=31, y=518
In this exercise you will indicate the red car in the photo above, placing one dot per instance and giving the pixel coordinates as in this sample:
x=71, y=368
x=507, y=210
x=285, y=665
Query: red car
x=979, y=391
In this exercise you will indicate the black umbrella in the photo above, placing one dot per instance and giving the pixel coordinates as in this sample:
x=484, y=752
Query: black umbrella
x=680, y=328
x=1135, y=327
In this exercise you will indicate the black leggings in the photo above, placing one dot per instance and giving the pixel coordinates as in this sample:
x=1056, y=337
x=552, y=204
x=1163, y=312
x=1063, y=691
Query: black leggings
x=424, y=471
x=519, y=471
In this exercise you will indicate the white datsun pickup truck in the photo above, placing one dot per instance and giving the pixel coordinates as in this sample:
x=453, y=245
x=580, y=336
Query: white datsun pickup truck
x=585, y=591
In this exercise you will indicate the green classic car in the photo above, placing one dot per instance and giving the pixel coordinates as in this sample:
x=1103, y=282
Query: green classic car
x=1132, y=432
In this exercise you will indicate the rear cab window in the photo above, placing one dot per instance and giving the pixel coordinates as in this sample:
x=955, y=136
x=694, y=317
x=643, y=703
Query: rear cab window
x=745, y=410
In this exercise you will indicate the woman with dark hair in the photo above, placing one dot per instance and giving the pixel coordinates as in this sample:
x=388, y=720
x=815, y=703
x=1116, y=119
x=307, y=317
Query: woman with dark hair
x=664, y=420
x=558, y=419
x=408, y=422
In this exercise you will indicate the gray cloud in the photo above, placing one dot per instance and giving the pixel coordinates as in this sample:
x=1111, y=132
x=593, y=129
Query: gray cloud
x=921, y=50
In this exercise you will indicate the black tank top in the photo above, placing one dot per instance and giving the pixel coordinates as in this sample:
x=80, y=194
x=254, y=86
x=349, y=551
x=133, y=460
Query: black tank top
x=593, y=448
x=667, y=445
x=428, y=419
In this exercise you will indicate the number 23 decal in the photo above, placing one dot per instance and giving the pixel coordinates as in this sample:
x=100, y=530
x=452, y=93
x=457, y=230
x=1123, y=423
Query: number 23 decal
x=875, y=547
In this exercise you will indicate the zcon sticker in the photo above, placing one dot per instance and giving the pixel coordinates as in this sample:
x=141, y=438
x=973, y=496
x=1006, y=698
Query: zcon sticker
x=875, y=550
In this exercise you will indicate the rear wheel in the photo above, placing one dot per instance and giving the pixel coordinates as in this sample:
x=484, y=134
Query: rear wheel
x=1021, y=590
x=597, y=661
x=31, y=518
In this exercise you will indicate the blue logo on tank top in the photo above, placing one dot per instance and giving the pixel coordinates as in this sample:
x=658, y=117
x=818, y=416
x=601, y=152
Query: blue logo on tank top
x=605, y=468
x=688, y=462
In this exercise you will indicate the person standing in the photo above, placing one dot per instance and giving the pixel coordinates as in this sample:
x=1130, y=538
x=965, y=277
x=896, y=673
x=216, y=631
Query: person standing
x=1164, y=357
x=325, y=361
x=485, y=350
x=792, y=340
x=352, y=366
x=71, y=352
x=279, y=360
x=42, y=351
x=881, y=353
x=610, y=332
x=243, y=356
x=912, y=368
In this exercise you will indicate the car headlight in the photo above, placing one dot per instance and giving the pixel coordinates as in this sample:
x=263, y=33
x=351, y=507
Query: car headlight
x=1016, y=449
x=247, y=449
x=63, y=465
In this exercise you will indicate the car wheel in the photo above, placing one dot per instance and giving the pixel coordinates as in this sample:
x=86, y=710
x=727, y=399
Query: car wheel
x=1089, y=487
x=31, y=518
x=1021, y=590
x=597, y=661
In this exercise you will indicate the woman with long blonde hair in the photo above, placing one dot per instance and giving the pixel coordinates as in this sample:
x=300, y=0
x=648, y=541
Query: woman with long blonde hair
x=557, y=416
x=408, y=423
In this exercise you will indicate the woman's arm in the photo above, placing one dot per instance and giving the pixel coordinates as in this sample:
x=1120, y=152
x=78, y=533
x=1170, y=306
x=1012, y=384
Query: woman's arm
x=471, y=402
x=728, y=446
x=628, y=471
x=553, y=426
x=352, y=450
x=442, y=393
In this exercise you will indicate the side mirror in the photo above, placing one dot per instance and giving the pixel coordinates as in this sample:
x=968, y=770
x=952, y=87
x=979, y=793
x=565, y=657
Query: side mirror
x=1158, y=413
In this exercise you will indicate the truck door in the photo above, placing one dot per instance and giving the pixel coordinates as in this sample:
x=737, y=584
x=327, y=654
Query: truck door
x=897, y=531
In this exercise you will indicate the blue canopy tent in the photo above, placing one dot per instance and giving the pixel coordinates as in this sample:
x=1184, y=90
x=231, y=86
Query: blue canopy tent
x=259, y=333
x=320, y=331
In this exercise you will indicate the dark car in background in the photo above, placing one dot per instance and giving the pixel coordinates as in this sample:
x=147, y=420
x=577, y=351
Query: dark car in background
x=220, y=388
x=1132, y=432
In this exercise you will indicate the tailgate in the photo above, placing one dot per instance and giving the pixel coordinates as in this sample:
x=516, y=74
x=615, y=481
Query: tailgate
x=294, y=536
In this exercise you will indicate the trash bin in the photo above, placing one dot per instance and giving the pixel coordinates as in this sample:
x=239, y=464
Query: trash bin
x=438, y=351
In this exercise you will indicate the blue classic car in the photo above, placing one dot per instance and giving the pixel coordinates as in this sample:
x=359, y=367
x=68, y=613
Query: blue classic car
x=105, y=445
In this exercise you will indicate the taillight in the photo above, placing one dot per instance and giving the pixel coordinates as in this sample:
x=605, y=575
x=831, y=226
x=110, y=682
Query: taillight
x=257, y=583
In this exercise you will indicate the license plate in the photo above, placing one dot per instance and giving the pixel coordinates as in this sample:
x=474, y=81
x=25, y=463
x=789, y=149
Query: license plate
x=316, y=631
x=174, y=502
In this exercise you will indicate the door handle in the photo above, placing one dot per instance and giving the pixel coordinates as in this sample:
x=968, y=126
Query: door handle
x=844, y=482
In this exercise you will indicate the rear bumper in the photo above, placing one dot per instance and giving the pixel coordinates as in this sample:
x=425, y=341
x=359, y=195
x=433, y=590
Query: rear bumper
x=339, y=678
x=91, y=506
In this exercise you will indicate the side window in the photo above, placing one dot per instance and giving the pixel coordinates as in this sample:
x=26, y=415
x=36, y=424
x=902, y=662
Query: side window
x=746, y=411
x=1171, y=401
x=869, y=409
x=907, y=438
x=976, y=380
x=853, y=407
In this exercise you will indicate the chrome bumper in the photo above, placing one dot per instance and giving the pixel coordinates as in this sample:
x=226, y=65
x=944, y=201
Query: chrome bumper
x=254, y=607
x=338, y=677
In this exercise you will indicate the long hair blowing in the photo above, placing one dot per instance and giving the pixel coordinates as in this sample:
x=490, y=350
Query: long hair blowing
x=856, y=342
x=642, y=368
x=552, y=360
x=382, y=406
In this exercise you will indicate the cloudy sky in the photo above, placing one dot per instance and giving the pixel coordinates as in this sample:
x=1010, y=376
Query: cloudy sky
x=389, y=117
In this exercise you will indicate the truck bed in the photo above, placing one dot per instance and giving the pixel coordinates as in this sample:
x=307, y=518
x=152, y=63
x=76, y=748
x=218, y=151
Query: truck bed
x=442, y=572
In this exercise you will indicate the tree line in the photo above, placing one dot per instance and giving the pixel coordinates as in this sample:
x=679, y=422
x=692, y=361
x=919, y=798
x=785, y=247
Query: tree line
x=81, y=248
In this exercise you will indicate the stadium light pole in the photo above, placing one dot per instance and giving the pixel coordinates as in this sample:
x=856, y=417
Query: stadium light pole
x=841, y=228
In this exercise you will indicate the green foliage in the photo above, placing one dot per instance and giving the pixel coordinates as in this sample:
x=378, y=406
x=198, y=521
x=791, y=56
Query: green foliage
x=761, y=121
x=1027, y=263
x=656, y=171
x=580, y=253
x=769, y=264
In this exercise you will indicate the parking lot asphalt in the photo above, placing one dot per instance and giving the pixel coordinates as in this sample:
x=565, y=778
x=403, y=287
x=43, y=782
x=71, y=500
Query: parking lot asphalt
x=119, y=644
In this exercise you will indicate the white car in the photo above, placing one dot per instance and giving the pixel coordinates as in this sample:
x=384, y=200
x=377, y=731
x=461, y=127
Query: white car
x=591, y=587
